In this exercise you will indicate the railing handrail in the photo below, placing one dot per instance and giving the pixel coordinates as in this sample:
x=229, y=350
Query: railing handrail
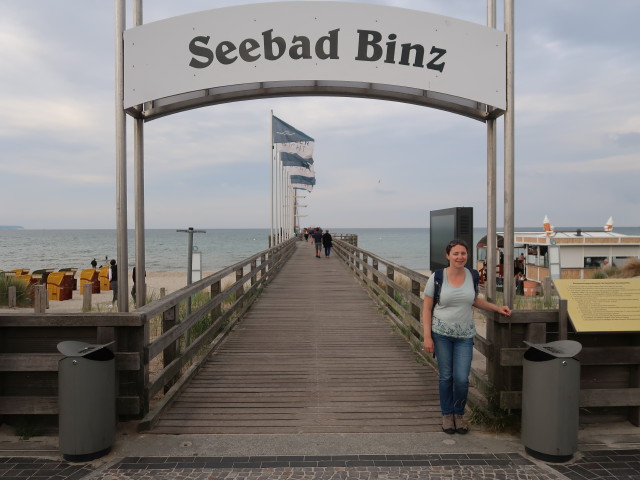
x=134, y=347
x=172, y=299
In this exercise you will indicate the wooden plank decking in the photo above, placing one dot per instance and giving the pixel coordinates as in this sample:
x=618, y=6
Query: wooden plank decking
x=314, y=355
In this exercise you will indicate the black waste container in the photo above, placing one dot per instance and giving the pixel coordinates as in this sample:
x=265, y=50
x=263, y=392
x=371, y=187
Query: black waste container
x=86, y=400
x=550, y=400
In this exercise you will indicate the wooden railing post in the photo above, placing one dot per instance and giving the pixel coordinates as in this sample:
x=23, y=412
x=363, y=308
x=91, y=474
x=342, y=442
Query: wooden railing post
x=169, y=320
x=216, y=289
x=12, y=300
x=415, y=310
x=547, y=287
x=239, y=275
x=263, y=265
x=634, y=412
x=254, y=265
x=498, y=337
x=86, y=300
x=390, y=276
x=40, y=298
x=374, y=265
x=562, y=319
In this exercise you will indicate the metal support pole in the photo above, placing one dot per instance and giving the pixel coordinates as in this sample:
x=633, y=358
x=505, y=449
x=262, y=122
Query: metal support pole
x=190, y=231
x=296, y=226
x=490, y=285
x=138, y=159
x=272, y=153
x=509, y=153
x=121, y=160
x=276, y=173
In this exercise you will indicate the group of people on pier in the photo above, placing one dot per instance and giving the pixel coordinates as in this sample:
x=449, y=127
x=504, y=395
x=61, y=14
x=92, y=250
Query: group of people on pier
x=320, y=239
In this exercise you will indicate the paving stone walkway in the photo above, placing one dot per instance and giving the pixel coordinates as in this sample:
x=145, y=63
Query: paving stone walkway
x=599, y=464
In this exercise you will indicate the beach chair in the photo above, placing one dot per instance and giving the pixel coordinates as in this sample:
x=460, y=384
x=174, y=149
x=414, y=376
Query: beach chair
x=71, y=271
x=42, y=274
x=56, y=286
x=67, y=285
x=20, y=271
x=104, y=278
x=26, y=278
x=89, y=278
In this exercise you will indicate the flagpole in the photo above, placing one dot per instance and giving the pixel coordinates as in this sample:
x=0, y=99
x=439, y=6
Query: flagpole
x=289, y=206
x=277, y=200
x=293, y=211
x=281, y=202
x=271, y=154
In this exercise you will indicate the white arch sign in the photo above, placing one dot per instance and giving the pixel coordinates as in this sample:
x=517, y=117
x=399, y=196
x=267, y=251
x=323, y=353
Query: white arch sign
x=310, y=48
x=314, y=48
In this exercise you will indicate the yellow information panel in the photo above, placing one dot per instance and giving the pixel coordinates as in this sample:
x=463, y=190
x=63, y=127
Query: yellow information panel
x=602, y=305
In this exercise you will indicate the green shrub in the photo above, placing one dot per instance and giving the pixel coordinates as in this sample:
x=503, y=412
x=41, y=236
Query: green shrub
x=22, y=291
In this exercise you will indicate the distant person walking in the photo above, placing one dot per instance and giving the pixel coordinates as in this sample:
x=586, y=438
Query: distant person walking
x=113, y=279
x=94, y=263
x=327, y=243
x=317, y=238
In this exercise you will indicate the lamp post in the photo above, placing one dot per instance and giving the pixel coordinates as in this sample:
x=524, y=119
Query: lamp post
x=190, y=231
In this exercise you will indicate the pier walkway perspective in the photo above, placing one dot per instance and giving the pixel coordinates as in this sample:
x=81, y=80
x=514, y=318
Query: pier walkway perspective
x=313, y=355
x=314, y=382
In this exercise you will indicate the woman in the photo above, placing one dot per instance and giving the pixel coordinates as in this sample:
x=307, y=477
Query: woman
x=449, y=332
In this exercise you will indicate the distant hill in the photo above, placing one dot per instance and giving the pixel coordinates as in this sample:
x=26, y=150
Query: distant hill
x=11, y=227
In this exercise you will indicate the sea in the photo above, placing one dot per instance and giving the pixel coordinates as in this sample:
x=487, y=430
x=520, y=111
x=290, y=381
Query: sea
x=166, y=249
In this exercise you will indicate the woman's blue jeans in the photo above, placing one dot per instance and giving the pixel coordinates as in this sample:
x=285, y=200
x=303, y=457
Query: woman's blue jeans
x=454, y=364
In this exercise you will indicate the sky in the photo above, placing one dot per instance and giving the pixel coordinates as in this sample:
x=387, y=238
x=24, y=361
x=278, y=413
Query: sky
x=378, y=163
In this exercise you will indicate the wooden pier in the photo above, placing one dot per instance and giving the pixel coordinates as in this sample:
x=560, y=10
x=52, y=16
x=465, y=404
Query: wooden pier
x=313, y=355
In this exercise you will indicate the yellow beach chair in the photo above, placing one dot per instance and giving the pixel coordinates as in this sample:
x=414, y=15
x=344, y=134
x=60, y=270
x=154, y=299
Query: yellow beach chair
x=104, y=278
x=89, y=279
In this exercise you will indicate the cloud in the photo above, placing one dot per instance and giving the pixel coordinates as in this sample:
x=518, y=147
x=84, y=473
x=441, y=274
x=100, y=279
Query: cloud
x=628, y=164
x=625, y=140
x=378, y=163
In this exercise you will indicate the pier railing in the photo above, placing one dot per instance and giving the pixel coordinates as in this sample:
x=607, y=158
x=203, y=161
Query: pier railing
x=610, y=362
x=161, y=345
x=158, y=347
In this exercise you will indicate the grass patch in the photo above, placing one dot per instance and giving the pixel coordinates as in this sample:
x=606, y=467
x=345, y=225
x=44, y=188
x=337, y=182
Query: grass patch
x=22, y=291
x=494, y=419
x=27, y=426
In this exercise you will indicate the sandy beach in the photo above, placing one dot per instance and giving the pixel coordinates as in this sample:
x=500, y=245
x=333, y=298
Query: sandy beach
x=169, y=280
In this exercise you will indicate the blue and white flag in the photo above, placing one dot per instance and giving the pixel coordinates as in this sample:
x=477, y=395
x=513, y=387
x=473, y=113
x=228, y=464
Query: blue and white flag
x=295, y=150
x=291, y=140
x=285, y=133
x=300, y=182
x=294, y=164
x=295, y=160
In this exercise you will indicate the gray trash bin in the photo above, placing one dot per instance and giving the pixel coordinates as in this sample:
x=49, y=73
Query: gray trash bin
x=550, y=400
x=86, y=400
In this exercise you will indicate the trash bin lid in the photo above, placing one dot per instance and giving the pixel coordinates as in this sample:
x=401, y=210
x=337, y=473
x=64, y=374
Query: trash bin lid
x=559, y=348
x=74, y=348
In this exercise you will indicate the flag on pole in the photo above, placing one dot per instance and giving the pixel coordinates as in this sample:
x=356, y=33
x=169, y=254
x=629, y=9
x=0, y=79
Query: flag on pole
x=300, y=182
x=291, y=140
x=295, y=160
x=295, y=150
x=285, y=133
x=294, y=164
